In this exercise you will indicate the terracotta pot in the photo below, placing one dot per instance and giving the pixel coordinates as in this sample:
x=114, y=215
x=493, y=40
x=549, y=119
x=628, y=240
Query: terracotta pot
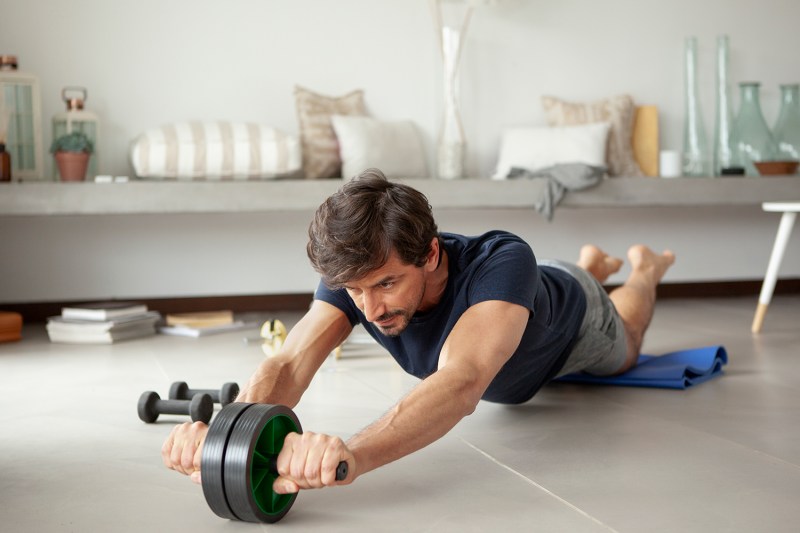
x=72, y=165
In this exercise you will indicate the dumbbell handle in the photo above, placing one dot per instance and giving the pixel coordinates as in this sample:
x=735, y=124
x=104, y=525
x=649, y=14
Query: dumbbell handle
x=211, y=392
x=173, y=407
x=341, y=470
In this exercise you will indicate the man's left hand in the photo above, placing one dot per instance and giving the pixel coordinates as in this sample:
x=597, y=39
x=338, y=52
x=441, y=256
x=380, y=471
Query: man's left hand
x=309, y=461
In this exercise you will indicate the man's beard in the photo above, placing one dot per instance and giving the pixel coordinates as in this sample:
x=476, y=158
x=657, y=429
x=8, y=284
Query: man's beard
x=394, y=330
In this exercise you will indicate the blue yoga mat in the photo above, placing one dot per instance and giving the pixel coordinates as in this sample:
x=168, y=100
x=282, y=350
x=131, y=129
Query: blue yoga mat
x=675, y=370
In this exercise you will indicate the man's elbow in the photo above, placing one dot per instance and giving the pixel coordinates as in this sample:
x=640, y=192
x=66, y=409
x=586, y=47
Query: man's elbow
x=470, y=394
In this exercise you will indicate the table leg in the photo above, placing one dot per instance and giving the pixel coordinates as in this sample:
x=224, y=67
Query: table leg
x=781, y=240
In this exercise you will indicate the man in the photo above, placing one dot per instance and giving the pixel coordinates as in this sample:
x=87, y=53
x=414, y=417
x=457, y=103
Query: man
x=473, y=317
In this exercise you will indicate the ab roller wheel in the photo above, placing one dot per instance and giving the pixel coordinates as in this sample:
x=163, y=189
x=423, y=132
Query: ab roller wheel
x=238, y=462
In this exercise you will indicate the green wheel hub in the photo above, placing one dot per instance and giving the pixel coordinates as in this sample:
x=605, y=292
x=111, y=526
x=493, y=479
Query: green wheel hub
x=262, y=476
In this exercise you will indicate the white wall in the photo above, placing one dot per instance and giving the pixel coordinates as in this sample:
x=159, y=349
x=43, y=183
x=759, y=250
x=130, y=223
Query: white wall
x=150, y=62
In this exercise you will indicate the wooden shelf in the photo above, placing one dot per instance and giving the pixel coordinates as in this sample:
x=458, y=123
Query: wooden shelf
x=148, y=197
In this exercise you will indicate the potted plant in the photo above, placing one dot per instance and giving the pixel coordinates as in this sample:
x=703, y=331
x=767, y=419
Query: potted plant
x=72, y=152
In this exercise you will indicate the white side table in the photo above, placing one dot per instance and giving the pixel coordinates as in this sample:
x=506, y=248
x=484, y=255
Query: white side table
x=789, y=210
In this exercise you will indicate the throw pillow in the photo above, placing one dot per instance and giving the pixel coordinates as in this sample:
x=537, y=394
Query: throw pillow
x=533, y=148
x=617, y=110
x=214, y=150
x=317, y=138
x=393, y=147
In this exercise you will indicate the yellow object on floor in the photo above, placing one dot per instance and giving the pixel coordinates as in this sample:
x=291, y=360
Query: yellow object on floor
x=274, y=333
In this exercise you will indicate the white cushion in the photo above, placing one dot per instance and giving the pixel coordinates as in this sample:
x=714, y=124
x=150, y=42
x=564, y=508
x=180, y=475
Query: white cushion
x=214, y=151
x=395, y=148
x=533, y=148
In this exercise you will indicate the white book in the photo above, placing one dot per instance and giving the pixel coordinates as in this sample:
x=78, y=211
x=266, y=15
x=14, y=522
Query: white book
x=102, y=337
x=103, y=310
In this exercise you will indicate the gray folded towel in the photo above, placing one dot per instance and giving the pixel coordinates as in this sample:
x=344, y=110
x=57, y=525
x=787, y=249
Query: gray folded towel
x=560, y=179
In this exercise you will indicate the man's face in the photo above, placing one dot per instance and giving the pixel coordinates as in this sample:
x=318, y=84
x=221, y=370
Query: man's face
x=390, y=295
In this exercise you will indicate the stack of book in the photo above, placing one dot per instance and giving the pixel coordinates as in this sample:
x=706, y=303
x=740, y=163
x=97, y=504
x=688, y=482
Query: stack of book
x=102, y=323
x=202, y=323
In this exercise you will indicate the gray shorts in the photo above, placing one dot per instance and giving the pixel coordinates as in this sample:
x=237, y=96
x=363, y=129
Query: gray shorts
x=602, y=347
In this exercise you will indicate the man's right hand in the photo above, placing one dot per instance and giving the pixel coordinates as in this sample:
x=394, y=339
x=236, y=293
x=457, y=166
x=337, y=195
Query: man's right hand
x=184, y=447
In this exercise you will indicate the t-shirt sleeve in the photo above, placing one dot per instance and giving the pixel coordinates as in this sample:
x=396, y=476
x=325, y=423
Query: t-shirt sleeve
x=339, y=299
x=509, y=274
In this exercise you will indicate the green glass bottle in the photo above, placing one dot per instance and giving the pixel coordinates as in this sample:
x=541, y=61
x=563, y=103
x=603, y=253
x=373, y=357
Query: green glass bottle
x=696, y=157
x=751, y=139
x=724, y=116
x=787, y=127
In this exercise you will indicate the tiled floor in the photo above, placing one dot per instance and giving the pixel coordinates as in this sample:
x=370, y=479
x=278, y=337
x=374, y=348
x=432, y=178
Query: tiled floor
x=724, y=456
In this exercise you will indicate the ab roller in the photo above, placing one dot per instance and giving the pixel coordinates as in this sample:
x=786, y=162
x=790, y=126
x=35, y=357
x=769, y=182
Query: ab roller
x=239, y=458
x=238, y=462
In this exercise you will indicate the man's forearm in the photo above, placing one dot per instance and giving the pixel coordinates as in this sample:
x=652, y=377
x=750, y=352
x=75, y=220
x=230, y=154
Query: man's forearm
x=273, y=382
x=432, y=409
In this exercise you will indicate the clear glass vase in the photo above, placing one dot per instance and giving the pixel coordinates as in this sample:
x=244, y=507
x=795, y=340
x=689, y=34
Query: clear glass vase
x=696, y=160
x=452, y=141
x=452, y=21
x=787, y=127
x=751, y=139
x=724, y=115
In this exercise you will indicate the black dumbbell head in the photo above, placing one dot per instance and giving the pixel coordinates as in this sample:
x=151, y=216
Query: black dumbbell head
x=179, y=391
x=147, y=406
x=201, y=408
x=228, y=393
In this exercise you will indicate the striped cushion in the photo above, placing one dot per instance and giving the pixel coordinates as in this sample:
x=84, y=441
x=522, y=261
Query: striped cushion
x=218, y=150
x=617, y=110
x=320, y=146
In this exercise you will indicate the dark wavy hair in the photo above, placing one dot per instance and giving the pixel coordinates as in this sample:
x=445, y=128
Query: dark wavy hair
x=355, y=229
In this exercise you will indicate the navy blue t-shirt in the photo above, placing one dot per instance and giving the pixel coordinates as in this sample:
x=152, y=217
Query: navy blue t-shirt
x=495, y=266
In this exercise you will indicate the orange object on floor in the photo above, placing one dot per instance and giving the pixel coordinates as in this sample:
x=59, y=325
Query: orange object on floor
x=10, y=326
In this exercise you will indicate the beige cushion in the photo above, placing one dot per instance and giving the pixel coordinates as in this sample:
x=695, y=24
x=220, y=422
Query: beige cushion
x=619, y=111
x=215, y=150
x=534, y=148
x=393, y=147
x=317, y=138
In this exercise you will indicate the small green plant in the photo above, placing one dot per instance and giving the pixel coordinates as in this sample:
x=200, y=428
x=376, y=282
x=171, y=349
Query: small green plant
x=77, y=141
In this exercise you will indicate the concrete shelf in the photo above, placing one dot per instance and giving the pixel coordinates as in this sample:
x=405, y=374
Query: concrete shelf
x=148, y=197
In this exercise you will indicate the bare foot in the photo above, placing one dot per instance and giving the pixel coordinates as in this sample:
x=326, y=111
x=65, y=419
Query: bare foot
x=598, y=263
x=647, y=262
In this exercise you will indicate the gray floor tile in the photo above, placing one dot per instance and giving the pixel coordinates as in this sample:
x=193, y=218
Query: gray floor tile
x=723, y=456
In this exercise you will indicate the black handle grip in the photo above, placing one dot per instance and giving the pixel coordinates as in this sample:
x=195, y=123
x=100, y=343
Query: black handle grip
x=341, y=470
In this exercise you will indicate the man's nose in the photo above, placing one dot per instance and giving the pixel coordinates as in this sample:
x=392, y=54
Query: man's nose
x=373, y=307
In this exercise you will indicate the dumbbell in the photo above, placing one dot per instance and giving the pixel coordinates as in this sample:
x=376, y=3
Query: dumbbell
x=200, y=407
x=181, y=391
x=238, y=463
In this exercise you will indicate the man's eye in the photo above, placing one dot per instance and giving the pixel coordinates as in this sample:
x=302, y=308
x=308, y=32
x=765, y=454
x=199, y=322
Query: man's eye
x=387, y=284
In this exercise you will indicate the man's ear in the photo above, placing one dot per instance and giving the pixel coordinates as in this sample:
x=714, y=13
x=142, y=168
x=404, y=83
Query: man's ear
x=432, y=261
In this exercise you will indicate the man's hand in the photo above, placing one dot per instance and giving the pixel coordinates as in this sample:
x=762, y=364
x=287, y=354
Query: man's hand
x=184, y=447
x=309, y=461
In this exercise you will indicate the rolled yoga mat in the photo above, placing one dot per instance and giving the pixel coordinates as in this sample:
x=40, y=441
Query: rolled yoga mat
x=675, y=370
